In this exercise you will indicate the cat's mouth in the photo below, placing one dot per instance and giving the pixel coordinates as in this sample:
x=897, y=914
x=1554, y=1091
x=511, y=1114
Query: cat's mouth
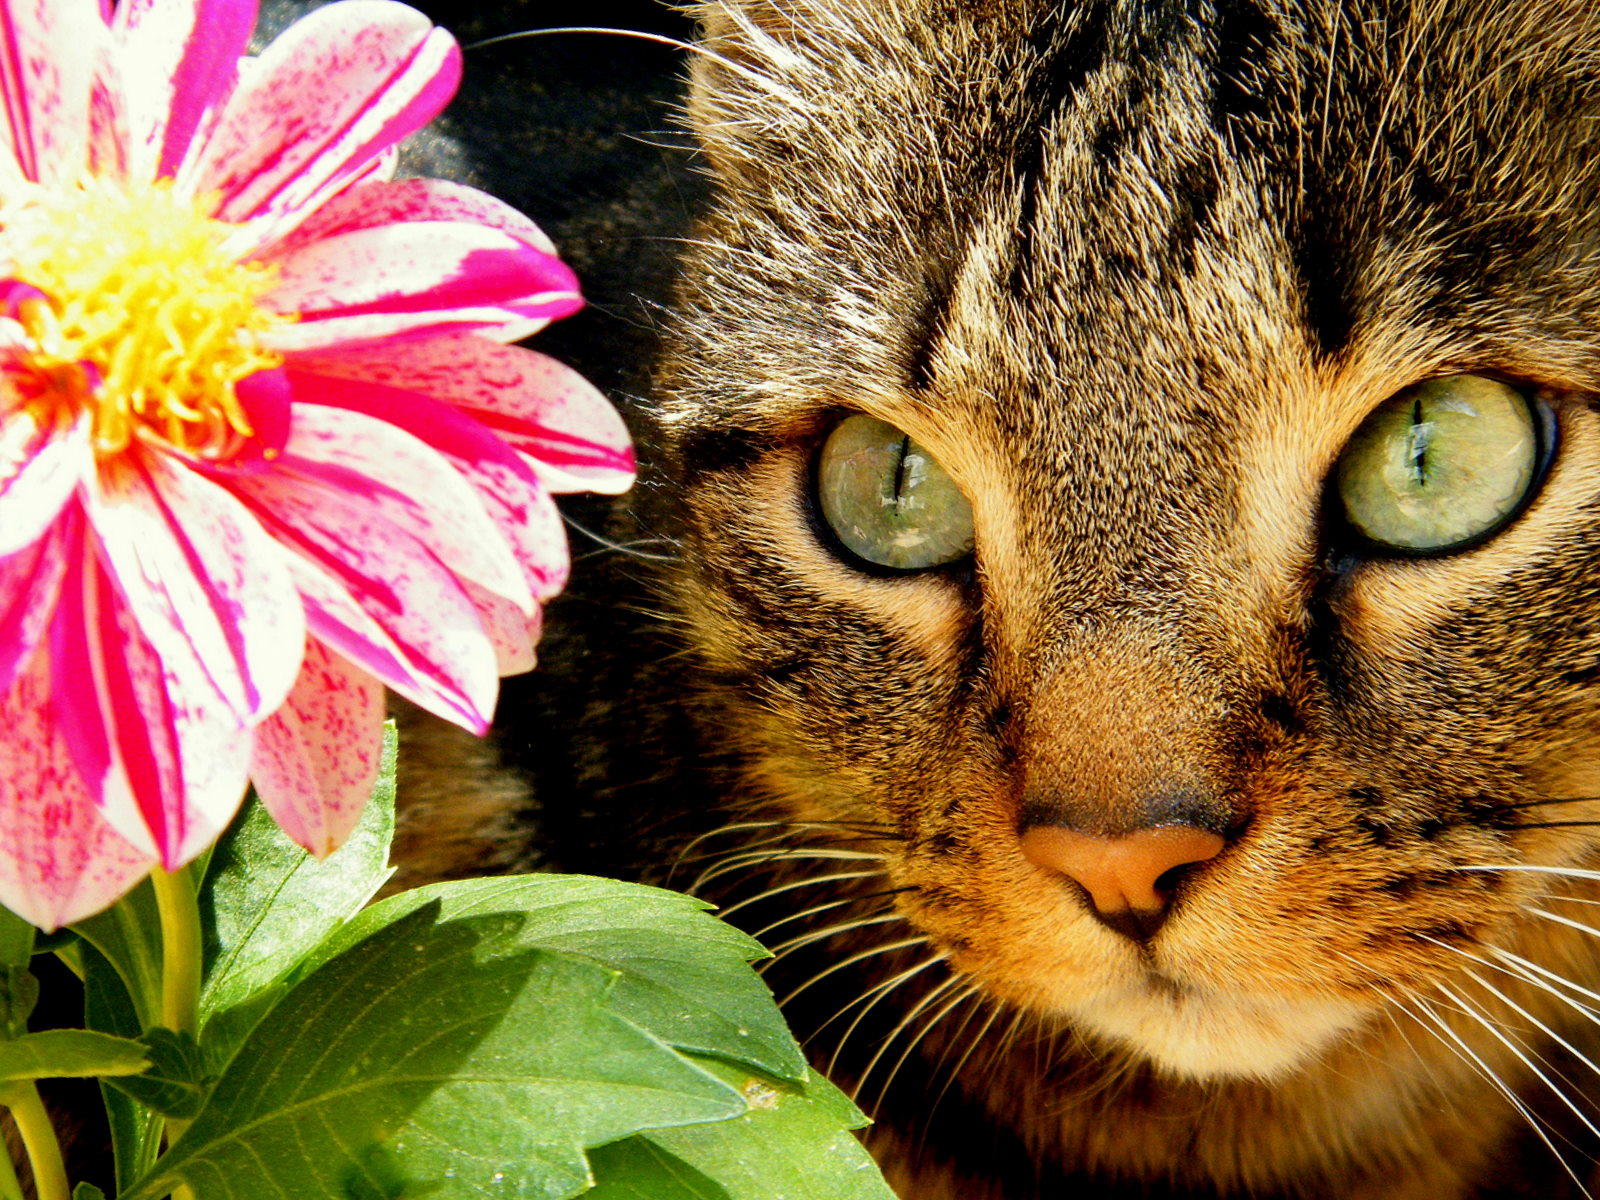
x=1210, y=1034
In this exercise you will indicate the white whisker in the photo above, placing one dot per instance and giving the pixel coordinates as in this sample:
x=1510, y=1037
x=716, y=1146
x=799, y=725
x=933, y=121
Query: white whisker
x=886, y=948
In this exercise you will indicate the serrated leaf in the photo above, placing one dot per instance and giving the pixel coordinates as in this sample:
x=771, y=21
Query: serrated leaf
x=74, y=1053
x=438, y=1058
x=174, y=1082
x=684, y=973
x=792, y=1143
x=266, y=902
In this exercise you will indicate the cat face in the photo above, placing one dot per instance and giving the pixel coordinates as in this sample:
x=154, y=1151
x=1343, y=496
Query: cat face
x=1134, y=277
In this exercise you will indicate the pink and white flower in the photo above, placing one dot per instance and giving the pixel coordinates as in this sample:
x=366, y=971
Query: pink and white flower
x=262, y=448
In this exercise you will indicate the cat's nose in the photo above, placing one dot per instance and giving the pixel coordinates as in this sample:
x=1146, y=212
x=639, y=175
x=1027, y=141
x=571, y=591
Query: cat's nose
x=1128, y=876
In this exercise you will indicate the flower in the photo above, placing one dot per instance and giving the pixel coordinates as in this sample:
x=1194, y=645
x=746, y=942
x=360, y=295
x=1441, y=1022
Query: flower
x=262, y=450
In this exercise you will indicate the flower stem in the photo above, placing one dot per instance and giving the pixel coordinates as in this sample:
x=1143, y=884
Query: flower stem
x=39, y=1136
x=180, y=950
x=180, y=968
x=10, y=1188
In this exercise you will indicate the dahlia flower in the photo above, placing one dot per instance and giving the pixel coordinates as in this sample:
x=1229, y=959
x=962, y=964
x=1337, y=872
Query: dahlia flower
x=262, y=448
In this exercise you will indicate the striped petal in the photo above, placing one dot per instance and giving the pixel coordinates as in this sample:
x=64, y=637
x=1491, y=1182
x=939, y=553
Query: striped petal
x=570, y=432
x=509, y=491
x=208, y=587
x=59, y=859
x=177, y=59
x=410, y=200
x=416, y=278
x=338, y=87
x=378, y=597
x=30, y=582
x=167, y=769
x=353, y=454
x=39, y=471
x=49, y=51
x=317, y=757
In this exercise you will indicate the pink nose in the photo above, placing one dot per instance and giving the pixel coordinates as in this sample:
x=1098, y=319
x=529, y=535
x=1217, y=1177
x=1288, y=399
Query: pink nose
x=1121, y=874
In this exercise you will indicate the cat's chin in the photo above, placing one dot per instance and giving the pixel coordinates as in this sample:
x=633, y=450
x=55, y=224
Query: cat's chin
x=1214, y=1036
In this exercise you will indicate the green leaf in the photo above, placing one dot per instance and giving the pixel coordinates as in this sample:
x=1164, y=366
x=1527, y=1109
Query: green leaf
x=174, y=1082
x=684, y=973
x=16, y=939
x=128, y=936
x=265, y=902
x=19, y=993
x=107, y=1007
x=78, y=1053
x=439, y=1058
x=87, y=1191
x=792, y=1143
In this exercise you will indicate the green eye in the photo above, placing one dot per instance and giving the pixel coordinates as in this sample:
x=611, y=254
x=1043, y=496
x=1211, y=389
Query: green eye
x=1441, y=466
x=888, y=501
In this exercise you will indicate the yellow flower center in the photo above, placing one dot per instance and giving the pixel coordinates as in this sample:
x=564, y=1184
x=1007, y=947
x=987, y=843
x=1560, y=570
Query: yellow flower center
x=144, y=292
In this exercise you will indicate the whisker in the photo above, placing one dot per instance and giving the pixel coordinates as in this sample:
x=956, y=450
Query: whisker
x=928, y=1027
x=795, y=886
x=755, y=858
x=1565, y=872
x=606, y=543
x=886, y=948
x=954, y=1072
x=1560, y=920
x=782, y=949
x=828, y=907
x=1551, y=1033
x=871, y=997
x=1472, y=1010
x=1529, y=965
x=1467, y=1055
x=915, y=1011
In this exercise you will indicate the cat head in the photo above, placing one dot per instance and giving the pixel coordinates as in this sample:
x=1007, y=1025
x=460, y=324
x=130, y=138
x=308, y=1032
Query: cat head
x=1033, y=384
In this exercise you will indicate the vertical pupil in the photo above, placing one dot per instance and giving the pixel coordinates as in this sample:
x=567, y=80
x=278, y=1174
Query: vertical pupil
x=1418, y=438
x=902, y=469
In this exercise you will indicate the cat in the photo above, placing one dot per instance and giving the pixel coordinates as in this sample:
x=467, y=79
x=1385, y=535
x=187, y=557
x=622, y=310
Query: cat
x=1113, y=593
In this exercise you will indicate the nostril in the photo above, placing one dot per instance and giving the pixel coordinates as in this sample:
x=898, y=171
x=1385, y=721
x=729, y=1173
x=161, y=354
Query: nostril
x=1129, y=879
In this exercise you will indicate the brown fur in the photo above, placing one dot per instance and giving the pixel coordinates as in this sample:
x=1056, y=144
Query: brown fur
x=1134, y=273
x=1136, y=315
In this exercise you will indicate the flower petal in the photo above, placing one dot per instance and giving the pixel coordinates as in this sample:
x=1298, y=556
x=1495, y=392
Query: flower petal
x=208, y=587
x=353, y=453
x=338, y=87
x=59, y=860
x=317, y=757
x=167, y=770
x=545, y=409
x=379, y=598
x=178, y=59
x=507, y=488
x=417, y=277
x=39, y=471
x=412, y=200
x=30, y=582
x=512, y=633
x=49, y=50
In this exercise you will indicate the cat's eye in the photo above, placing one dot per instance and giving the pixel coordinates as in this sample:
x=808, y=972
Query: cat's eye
x=1441, y=466
x=888, y=500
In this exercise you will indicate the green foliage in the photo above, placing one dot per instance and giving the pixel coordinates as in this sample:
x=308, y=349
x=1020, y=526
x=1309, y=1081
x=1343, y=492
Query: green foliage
x=266, y=903
x=448, y=1054
x=62, y=1053
x=791, y=1143
x=173, y=1084
x=537, y=1037
x=682, y=974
